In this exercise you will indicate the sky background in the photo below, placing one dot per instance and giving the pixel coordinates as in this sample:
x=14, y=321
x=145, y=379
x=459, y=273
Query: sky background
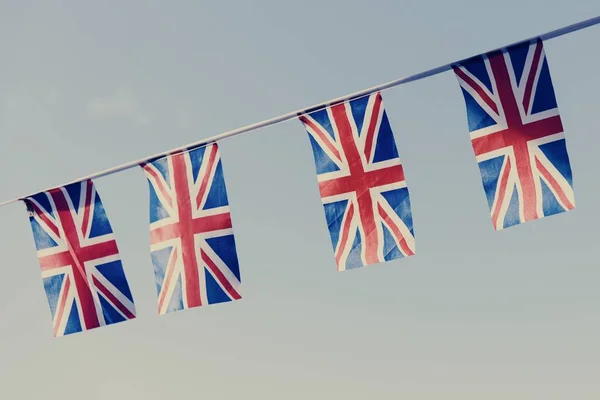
x=476, y=314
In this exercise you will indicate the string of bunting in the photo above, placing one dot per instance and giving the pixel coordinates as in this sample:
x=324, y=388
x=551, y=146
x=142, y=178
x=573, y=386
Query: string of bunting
x=517, y=137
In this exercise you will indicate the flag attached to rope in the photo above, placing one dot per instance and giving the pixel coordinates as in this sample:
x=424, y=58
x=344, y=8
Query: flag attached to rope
x=81, y=267
x=517, y=134
x=191, y=236
x=361, y=181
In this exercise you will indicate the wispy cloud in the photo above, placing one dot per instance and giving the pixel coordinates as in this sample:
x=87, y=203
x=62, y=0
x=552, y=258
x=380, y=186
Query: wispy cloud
x=122, y=103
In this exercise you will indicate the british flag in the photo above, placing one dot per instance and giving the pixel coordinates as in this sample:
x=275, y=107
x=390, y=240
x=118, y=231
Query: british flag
x=361, y=181
x=191, y=236
x=517, y=134
x=81, y=267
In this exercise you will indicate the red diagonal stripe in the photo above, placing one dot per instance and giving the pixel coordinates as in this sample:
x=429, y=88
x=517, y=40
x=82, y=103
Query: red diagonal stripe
x=42, y=215
x=531, y=77
x=370, y=135
x=210, y=166
x=87, y=210
x=478, y=89
x=395, y=231
x=554, y=184
x=324, y=136
x=219, y=276
x=159, y=183
x=113, y=299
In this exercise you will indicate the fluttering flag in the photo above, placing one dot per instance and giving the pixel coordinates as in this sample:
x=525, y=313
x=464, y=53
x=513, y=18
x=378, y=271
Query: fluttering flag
x=81, y=267
x=517, y=134
x=191, y=236
x=361, y=181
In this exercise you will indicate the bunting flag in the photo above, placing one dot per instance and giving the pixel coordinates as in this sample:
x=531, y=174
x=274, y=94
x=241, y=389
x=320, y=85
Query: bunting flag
x=81, y=267
x=191, y=236
x=517, y=134
x=361, y=181
x=517, y=137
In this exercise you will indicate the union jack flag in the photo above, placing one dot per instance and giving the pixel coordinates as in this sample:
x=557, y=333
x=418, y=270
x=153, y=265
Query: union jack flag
x=191, y=236
x=81, y=267
x=361, y=181
x=517, y=134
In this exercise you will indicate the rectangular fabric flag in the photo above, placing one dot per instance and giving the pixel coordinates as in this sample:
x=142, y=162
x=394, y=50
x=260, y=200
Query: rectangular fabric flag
x=81, y=267
x=191, y=236
x=517, y=134
x=361, y=180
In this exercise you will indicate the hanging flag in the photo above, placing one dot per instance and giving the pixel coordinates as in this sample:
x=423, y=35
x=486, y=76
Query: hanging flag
x=81, y=267
x=361, y=180
x=517, y=134
x=191, y=236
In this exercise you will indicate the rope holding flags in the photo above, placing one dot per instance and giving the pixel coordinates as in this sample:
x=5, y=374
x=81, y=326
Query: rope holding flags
x=517, y=138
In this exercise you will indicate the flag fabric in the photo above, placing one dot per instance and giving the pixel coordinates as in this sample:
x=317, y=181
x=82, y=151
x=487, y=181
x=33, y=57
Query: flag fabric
x=361, y=182
x=81, y=267
x=191, y=237
x=517, y=134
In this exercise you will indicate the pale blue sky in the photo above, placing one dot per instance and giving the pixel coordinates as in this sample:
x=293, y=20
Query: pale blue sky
x=476, y=314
